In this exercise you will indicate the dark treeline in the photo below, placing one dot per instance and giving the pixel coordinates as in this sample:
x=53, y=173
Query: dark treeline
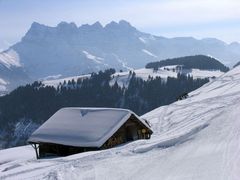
x=237, y=64
x=191, y=62
x=38, y=103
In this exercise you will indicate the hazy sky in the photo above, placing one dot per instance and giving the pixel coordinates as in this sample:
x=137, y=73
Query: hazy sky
x=170, y=18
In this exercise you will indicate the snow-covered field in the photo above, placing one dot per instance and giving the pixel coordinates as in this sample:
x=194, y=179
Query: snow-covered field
x=56, y=82
x=123, y=78
x=194, y=139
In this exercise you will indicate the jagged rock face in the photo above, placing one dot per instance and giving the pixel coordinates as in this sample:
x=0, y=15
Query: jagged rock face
x=70, y=50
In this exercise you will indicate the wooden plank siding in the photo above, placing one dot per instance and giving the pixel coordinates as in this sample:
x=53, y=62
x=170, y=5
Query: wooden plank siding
x=131, y=130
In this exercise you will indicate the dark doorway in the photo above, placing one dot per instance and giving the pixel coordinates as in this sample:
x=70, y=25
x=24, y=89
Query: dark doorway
x=131, y=133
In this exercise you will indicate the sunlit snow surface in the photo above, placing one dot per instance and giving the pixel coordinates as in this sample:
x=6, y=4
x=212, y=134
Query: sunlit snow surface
x=194, y=139
x=123, y=78
x=10, y=58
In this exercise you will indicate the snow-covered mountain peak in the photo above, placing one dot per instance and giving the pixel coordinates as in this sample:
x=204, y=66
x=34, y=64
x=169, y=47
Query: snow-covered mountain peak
x=10, y=58
x=119, y=44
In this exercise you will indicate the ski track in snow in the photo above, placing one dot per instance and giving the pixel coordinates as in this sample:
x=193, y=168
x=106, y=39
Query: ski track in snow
x=196, y=138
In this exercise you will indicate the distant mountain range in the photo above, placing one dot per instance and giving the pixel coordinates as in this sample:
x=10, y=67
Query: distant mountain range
x=68, y=50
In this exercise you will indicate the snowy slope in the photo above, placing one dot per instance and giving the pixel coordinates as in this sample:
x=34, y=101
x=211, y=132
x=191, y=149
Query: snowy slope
x=196, y=138
x=56, y=82
x=10, y=58
x=123, y=78
x=7, y=60
x=12, y=73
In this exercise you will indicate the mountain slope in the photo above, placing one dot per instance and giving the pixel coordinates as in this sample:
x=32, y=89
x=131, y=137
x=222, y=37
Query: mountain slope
x=119, y=45
x=84, y=49
x=196, y=138
x=12, y=74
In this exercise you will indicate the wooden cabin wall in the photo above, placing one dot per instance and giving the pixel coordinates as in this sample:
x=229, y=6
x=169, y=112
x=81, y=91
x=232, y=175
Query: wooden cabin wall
x=131, y=130
x=47, y=150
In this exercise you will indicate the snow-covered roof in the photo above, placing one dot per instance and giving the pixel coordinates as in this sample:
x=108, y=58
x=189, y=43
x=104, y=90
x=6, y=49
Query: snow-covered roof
x=83, y=127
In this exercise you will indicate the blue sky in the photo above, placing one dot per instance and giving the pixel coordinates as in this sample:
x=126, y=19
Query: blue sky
x=170, y=18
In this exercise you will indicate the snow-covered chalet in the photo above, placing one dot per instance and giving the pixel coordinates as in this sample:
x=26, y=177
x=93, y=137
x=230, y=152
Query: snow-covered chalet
x=74, y=130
